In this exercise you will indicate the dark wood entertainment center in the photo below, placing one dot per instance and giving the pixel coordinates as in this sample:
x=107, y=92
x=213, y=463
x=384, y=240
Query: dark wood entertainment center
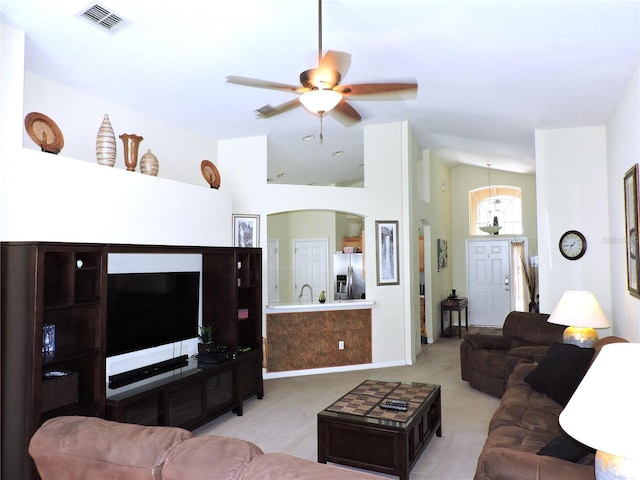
x=65, y=285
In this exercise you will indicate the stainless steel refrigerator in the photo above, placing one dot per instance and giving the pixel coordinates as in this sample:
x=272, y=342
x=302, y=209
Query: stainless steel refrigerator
x=349, y=280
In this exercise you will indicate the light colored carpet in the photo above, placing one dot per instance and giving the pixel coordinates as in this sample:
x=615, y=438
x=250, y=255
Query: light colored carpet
x=285, y=420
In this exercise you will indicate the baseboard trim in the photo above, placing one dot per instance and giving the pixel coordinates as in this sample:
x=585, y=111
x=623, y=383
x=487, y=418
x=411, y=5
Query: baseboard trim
x=318, y=371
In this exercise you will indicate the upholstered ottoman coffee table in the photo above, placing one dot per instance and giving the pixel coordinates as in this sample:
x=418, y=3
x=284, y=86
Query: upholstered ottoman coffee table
x=380, y=425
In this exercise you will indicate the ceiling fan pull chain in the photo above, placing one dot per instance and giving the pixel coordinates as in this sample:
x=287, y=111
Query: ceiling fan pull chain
x=321, y=137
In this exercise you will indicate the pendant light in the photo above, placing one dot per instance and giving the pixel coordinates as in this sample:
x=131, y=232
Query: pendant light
x=494, y=228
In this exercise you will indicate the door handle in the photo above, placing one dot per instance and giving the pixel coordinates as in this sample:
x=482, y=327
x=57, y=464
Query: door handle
x=506, y=283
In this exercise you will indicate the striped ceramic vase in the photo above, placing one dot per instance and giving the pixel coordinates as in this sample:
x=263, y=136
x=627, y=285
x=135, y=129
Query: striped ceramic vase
x=149, y=164
x=106, y=143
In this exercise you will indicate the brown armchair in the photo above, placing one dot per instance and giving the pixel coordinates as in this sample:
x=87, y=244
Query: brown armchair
x=487, y=361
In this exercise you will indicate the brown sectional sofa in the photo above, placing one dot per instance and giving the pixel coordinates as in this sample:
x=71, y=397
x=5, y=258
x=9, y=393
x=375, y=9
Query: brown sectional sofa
x=78, y=448
x=526, y=421
x=487, y=361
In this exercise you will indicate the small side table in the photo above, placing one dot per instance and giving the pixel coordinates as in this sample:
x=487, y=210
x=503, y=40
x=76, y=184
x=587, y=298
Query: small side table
x=451, y=305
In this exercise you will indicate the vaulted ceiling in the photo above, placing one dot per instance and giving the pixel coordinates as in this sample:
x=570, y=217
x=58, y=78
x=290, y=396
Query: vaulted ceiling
x=489, y=72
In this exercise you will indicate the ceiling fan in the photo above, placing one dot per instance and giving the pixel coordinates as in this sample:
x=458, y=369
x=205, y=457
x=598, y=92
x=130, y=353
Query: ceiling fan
x=320, y=91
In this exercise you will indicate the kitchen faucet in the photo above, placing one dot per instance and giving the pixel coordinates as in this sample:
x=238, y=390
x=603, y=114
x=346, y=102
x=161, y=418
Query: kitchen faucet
x=302, y=290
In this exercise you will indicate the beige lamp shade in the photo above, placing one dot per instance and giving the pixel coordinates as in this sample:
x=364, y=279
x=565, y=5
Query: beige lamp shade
x=603, y=412
x=579, y=309
x=582, y=313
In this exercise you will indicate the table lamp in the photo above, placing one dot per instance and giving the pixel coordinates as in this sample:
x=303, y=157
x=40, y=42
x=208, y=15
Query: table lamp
x=582, y=314
x=609, y=389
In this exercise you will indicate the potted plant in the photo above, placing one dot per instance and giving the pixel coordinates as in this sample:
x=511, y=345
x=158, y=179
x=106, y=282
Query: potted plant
x=206, y=344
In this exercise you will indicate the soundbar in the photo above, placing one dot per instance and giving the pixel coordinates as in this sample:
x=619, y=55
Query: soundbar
x=125, y=378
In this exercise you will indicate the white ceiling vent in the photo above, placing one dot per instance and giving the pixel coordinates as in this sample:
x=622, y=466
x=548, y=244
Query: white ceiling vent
x=103, y=18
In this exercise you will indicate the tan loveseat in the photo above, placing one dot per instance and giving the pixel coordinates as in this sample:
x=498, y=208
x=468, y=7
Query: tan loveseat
x=80, y=448
x=487, y=361
x=526, y=422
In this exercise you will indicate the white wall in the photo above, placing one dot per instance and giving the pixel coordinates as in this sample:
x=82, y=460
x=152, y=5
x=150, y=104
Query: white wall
x=60, y=198
x=465, y=178
x=432, y=215
x=386, y=150
x=70, y=198
x=179, y=151
x=623, y=150
x=12, y=43
x=47, y=197
x=571, y=182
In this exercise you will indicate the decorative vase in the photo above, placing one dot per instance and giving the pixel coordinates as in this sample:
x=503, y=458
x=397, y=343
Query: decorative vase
x=131, y=144
x=106, y=143
x=322, y=298
x=149, y=163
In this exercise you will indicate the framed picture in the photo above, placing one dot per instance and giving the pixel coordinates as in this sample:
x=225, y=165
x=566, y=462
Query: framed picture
x=443, y=254
x=246, y=230
x=388, y=271
x=631, y=214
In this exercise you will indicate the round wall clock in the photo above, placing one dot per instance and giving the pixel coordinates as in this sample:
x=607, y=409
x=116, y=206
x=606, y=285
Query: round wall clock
x=572, y=245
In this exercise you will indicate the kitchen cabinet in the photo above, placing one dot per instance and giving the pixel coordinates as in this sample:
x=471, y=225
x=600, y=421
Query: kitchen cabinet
x=354, y=242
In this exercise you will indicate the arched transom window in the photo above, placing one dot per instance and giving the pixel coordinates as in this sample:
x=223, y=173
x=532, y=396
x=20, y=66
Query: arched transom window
x=498, y=203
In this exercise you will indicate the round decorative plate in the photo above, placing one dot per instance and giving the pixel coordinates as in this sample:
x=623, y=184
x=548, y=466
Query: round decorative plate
x=44, y=132
x=210, y=173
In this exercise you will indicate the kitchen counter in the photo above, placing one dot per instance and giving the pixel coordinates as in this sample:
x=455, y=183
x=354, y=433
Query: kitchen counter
x=319, y=307
x=303, y=336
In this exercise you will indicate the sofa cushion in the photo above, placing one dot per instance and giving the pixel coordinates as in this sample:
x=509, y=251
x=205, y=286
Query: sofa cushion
x=560, y=371
x=510, y=454
x=279, y=466
x=490, y=342
x=525, y=328
x=566, y=448
x=524, y=408
x=209, y=456
x=490, y=362
x=77, y=448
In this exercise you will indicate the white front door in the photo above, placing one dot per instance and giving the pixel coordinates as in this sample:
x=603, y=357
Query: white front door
x=310, y=266
x=489, y=291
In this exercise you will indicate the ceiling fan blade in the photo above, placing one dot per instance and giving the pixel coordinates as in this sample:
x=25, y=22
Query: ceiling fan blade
x=268, y=111
x=345, y=113
x=254, y=82
x=338, y=61
x=379, y=91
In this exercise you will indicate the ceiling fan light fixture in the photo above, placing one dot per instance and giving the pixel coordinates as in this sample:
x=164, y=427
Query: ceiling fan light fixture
x=320, y=101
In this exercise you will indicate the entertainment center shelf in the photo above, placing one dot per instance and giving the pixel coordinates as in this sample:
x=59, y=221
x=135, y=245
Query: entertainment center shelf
x=54, y=342
x=185, y=397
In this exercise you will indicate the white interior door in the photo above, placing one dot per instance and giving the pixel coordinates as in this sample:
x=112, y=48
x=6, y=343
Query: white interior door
x=273, y=271
x=310, y=266
x=489, y=291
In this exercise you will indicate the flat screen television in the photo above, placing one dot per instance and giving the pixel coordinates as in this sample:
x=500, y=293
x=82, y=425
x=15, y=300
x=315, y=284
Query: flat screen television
x=151, y=309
